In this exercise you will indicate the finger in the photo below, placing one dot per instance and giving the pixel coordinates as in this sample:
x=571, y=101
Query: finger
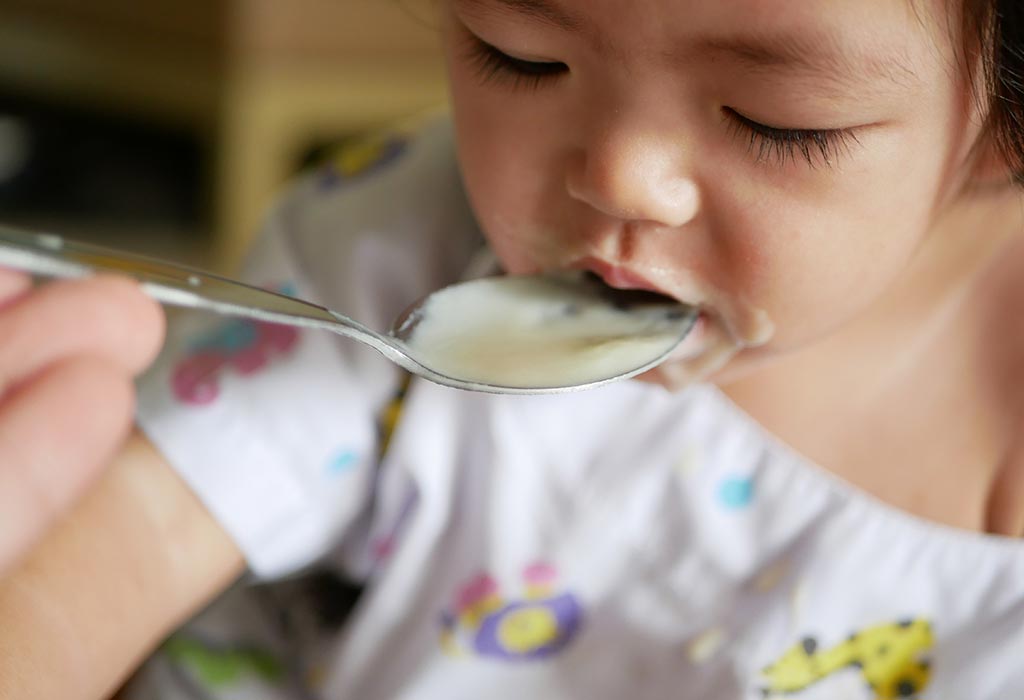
x=56, y=432
x=12, y=285
x=108, y=317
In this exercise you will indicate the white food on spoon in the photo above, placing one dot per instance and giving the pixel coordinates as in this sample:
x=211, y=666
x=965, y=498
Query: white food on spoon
x=539, y=332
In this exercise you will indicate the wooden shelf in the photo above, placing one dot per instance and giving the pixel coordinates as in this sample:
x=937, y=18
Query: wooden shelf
x=262, y=79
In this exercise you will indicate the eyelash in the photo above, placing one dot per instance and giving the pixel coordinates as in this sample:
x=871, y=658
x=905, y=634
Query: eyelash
x=766, y=143
x=769, y=144
x=496, y=66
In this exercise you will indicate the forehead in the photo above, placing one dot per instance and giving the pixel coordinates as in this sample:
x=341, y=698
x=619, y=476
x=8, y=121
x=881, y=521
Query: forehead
x=577, y=12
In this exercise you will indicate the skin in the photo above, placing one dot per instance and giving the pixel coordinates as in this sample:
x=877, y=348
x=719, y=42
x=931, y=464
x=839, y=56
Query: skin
x=69, y=354
x=850, y=286
x=868, y=296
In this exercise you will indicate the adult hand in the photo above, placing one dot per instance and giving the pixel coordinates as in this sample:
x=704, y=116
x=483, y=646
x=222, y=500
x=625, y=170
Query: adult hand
x=68, y=353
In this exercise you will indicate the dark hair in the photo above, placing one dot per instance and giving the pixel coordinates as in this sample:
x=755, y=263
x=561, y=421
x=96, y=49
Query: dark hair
x=996, y=28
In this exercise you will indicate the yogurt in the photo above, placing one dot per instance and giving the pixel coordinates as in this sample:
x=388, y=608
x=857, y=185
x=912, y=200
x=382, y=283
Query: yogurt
x=549, y=331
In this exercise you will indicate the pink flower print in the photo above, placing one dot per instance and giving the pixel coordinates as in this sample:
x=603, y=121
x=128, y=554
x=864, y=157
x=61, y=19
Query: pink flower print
x=270, y=339
x=540, y=574
x=244, y=345
x=195, y=379
x=477, y=599
x=477, y=590
x=540, y=579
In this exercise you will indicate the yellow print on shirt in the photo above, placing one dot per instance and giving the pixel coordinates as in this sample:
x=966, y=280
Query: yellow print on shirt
x=890, y=658
x=359, y=158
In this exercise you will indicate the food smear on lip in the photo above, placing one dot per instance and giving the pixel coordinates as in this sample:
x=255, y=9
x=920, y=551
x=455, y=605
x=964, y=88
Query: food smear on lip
x=727, y=325
x=710, y=350
x=548, y=331
x=707, y=349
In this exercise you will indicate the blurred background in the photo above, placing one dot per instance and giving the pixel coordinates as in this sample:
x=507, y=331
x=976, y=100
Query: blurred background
x=167, y=126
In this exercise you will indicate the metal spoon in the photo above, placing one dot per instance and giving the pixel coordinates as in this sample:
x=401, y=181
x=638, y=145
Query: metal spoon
x=555, y=302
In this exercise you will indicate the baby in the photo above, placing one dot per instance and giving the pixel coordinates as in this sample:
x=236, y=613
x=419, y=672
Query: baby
x=822, y=497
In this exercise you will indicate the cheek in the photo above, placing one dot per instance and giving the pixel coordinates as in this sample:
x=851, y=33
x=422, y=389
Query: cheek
x=497, y=184
x=509, y=170
x=813, y=260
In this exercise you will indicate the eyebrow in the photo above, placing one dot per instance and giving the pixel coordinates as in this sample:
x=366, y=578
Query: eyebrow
x=819, y=55
x=547, y=12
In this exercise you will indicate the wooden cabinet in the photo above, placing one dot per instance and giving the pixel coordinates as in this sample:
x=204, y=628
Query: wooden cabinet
x=261, y=79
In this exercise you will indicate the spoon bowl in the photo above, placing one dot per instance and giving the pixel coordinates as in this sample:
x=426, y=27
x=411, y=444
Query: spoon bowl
x=519, y=334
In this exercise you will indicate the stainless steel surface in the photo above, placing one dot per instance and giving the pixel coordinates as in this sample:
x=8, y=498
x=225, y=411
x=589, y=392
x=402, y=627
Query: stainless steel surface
x=53, y=256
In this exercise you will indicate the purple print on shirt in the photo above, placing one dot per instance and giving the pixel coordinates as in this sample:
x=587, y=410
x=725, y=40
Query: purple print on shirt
x=537, y=626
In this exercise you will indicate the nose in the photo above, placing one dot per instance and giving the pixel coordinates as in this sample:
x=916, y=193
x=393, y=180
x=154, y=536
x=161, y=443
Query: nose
x=634, y=177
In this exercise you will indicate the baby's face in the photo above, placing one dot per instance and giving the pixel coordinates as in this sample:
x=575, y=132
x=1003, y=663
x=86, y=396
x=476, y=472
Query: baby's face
x=777, y=163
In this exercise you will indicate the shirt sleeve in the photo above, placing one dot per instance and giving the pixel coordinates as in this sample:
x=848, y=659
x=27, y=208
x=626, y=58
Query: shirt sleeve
x=275, y=428
x=265, y=423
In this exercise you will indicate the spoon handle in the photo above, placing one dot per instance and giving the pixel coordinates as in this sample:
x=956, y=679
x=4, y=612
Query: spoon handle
x=52, y=256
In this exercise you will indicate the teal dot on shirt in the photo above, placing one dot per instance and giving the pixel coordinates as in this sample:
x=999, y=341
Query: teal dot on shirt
x=342, y=462
x=736, y=493
x=229, y=337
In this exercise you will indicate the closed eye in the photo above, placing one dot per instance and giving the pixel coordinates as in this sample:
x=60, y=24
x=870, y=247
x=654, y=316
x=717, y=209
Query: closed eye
x=769, y=144
x=495, y=66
